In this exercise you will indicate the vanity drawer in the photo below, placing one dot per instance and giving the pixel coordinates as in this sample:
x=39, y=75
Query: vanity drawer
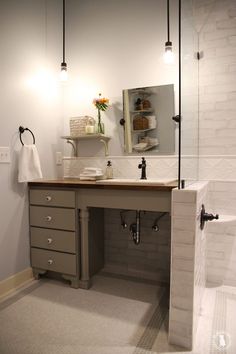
x=53, y=239
x=53, y=218
x=52, y=198
x=58, y=262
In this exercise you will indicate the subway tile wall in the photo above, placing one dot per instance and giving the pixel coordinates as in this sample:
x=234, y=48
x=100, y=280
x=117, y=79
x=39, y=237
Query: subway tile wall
x=210, y=167
x=189, y=83
x=217, y=168
x=188, y=246
x=125, y=166
x=216, y=24
x=221, y=234
x=148, y=260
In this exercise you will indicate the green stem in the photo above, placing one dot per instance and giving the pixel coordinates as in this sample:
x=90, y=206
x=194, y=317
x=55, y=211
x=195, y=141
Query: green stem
x=100, y=127
x=99, y=117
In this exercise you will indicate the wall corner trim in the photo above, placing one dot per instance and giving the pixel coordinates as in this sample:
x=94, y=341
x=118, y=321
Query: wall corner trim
x=8, y=285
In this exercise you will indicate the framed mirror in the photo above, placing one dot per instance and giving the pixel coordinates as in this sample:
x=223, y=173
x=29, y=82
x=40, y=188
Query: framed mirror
x=148, y=113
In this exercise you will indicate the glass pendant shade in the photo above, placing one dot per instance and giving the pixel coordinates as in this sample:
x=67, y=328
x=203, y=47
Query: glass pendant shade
x=168, y=55
x=63, y=73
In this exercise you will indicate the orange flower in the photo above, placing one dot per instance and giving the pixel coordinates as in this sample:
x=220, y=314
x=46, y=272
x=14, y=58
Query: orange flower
x=101, y=103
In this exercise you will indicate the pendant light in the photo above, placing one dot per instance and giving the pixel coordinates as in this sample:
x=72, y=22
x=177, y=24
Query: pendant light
x=168, y=55
x=63, y=73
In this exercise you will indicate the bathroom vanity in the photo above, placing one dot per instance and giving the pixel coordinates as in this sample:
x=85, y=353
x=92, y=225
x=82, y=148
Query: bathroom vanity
x=67, y=236
x=66, y=221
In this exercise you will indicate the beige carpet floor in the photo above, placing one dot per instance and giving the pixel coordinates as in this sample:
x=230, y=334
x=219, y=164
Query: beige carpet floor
x=117, y=315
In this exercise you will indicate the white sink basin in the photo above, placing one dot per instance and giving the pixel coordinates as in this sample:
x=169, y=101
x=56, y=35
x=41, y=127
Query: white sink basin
x=133, y=181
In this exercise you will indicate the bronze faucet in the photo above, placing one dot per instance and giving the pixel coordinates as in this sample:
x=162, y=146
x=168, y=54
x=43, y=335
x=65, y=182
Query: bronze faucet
x=142, y=165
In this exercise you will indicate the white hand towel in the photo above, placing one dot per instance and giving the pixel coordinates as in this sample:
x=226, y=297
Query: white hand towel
x=92, y=170
x=29, y=164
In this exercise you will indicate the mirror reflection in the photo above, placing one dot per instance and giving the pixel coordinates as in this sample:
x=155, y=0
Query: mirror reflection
x=148, y=113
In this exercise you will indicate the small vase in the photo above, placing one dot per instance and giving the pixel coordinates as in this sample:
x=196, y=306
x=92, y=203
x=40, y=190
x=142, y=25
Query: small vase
x=100, y=125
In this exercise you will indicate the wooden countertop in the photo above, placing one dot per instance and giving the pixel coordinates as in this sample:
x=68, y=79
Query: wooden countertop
x=74, y=183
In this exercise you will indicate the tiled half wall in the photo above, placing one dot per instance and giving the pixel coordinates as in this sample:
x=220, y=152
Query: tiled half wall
x=187, y=263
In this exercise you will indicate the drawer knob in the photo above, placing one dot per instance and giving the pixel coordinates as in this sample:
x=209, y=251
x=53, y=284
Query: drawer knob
x=50, y=261
x=48, y=218
x=48, y=198
x=49, y=240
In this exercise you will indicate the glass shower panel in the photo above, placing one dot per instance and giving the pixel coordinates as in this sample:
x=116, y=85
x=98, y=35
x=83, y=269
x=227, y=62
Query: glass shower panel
x=189, y=95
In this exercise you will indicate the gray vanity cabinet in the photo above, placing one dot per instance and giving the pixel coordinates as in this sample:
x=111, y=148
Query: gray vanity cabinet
x=53, y=233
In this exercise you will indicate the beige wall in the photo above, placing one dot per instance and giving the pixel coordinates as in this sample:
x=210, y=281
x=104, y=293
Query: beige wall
x=30, y=41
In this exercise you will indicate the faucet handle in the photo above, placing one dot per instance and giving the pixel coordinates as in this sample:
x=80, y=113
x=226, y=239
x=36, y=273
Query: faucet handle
x=142, y=166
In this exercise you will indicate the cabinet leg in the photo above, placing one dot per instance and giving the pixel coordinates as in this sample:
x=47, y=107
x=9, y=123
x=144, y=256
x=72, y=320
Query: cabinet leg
x=85, y=284
x=84, y=219
x=74, y=281
x=37, y=272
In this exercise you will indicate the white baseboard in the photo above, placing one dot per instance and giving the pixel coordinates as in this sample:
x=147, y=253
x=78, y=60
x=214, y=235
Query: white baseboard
x=14, y=282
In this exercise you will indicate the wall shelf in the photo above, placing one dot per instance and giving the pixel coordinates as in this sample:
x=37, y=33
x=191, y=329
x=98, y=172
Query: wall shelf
x=143, y=111
x=137, y=131
x=73, y=140
x=87, y=137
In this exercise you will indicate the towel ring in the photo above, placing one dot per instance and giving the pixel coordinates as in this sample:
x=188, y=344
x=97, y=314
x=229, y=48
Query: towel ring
x=21, y=130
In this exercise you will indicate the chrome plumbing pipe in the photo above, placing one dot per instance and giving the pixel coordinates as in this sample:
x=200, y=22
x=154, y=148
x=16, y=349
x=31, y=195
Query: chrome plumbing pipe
x=135, y=228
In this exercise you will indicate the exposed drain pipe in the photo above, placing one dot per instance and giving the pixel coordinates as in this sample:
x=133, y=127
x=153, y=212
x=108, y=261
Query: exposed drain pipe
x=122, y=219
x=155, y=226
x=135, y=229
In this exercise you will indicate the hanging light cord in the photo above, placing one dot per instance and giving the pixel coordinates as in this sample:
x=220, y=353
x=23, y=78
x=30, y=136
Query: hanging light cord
x=63, y=74
x=64, y=27
x=168, y=20
x=180, y=98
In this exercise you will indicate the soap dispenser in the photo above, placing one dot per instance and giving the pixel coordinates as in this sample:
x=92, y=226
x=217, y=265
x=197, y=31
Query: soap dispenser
x=109, y=170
